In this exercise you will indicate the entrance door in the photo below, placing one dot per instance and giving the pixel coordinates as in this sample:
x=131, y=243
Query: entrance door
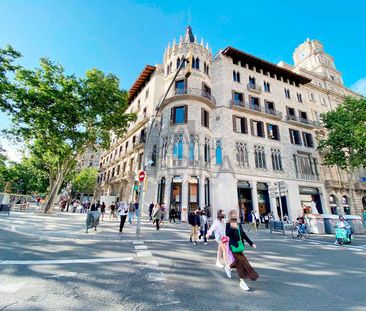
x=176, y=198
x=284, y=206
x=245, y=203
x=193, y=194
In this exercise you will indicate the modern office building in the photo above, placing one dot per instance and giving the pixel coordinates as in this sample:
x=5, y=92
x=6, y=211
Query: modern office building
x=238, y=133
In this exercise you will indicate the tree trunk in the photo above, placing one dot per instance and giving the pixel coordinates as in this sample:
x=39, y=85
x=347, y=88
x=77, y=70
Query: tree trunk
x=350, y=192
x=53, y=193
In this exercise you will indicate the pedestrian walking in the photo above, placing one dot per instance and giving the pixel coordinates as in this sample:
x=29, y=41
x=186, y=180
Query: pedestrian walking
x=102, y=210
x=98, y=205
x=131, y=211
x=136, y=206
x=218, y=228
x=122, y=212
x=193, y=220
x=173, y=214
x=162, y=217
x=151, y=207
x=112, y=208
x=156, y=215
x=236, y=235
x=203, y=227
x=266, y=220
x=252, y=221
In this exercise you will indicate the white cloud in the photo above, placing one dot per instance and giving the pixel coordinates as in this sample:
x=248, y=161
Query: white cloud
x=360, y=86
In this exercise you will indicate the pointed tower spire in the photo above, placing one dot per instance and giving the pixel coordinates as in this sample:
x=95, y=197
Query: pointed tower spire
x=188, y=37
x=202, y=42
x=174, y=42
x=206, y=45
x=180, y=39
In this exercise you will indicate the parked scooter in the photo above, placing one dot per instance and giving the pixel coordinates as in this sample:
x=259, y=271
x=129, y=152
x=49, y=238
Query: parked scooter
x=343, y=236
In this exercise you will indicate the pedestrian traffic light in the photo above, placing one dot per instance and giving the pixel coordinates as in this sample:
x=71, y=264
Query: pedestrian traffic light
x=189, y=60
x=136, y=187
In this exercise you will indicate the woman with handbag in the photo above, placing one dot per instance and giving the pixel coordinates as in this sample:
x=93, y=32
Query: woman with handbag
x=236, y=236
x=218, y=227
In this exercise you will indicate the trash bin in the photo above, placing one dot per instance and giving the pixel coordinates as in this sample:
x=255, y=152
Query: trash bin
x=355, y=222
x=315, y=223
x=329, y=223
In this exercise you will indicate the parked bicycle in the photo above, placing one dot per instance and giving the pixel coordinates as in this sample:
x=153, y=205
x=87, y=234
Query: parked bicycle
x=300, y=231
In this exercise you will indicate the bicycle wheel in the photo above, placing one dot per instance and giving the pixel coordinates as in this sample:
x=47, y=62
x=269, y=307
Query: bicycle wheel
x=306, y=233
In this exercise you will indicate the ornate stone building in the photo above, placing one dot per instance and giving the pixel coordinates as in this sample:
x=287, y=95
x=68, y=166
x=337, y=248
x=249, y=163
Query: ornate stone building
x=231, y=134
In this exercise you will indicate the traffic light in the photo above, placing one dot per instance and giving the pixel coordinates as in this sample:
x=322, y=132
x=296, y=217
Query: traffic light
x=189, y=60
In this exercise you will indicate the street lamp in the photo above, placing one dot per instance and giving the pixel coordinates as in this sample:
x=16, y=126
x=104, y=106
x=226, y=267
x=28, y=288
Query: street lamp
x=145, y=163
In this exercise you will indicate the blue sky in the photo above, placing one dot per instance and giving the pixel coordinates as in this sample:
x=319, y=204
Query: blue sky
x=122, y=36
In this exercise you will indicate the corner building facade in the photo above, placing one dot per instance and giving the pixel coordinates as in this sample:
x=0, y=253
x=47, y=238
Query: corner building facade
x=238, y=133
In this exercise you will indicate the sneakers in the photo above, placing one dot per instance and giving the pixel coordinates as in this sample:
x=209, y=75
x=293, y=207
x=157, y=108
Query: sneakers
x=219, y=264
x=195, y=243
x=228, y=271
x=205, y=243
x=244, y=285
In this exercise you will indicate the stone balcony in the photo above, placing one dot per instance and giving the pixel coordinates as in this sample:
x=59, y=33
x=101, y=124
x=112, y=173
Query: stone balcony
x=332, y=183
x=252, y=87
x=302, y=121
x=256, y=109
x=191, y=93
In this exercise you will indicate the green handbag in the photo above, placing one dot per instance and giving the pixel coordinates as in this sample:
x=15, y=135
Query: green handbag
x=240, y=247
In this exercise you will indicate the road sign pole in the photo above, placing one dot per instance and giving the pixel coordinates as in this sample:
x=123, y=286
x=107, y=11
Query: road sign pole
x=138, y=226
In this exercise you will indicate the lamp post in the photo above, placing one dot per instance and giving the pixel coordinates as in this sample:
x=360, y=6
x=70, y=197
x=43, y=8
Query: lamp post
x=187, y=60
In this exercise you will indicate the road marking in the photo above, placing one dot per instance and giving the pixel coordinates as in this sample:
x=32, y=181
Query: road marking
x=143, y=253
x=156, y=277
x=66, y=274
x=137, y=247
x=63, y=261
x=137, y=242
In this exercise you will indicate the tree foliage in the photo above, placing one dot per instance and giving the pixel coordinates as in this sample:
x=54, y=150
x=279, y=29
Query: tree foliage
x=85, y=180
x=59, y=115
x=345, y=142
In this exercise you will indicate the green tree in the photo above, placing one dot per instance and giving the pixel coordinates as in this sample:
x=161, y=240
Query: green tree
x=58, y=115
x=85, y=180
x=345, y=141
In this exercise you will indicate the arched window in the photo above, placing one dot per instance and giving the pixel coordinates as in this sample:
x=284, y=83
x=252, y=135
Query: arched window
x=218, y=152
x=234, y=76
x=333, y=204
x=183, y=62
x=345, y=204
x=197, y=63
x=178, y=149
x=178, y=62
x=193, y=62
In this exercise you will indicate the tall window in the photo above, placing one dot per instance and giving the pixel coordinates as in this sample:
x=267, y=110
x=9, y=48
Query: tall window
x=240, y=125
x=242, y=154
x=218, y=152
x=295, y=137
x=178, y=62
x=306, y=166
x=260, y=157
x=257, y=128
x=207, y=192
x=238, y=97
x=299, y=97
x=205, y=118
x=251, y=81
x=287, y=93
x=207, y=150
x=236, y=76
x=205, y=68
x=276, y=160
x=254, y=102
x=179, y=115
x=267, y=87
x=180, y=86
x=177, y=148
x=153, y=155
x=141, y=156
x=196, y=63
x=273, y=131
x=307, y=139
x=131, y=164
x=193, y=149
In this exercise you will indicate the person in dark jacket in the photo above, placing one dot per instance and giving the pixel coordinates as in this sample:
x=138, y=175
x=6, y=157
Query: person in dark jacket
x=194, y=221
x=173, y=214
x=151, y=207
x=235, y=233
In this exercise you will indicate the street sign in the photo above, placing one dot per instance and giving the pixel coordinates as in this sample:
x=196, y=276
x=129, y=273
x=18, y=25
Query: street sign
x=141, y=176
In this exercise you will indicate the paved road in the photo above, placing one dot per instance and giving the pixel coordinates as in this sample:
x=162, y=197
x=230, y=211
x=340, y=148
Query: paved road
x=163, y=271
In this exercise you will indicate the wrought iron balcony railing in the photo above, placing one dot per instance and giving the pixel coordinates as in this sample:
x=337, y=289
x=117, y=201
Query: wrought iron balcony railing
x=195, y=92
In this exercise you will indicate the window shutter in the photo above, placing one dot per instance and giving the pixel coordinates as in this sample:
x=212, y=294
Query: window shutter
x=185, y=113
x=268, y=133
x=242, y=125
x=278, y=132
x=251, y=127
x=263, y=134
x=234, y=123
x=208, y=119
x=202, y=117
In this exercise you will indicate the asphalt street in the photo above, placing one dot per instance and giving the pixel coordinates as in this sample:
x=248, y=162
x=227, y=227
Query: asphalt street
x=49, y=263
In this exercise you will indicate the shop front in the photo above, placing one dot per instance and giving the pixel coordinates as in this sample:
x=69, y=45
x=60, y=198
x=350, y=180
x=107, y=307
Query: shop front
x=193, y=193
x=244, y=200
x=310, y=200
x=263, y=199
x=176, y=195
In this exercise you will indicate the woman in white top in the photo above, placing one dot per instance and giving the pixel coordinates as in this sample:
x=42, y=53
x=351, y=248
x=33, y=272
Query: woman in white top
x=219, y=227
